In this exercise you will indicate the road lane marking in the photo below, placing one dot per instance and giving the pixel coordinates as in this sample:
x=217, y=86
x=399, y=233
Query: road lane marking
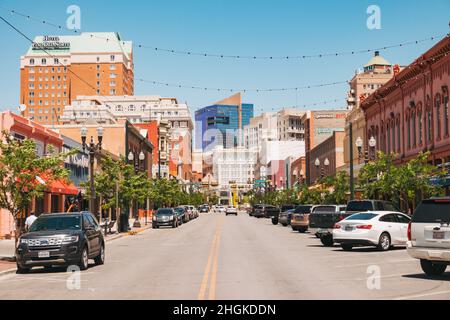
x=422, y=295
x=211, y=265
x=212, y=286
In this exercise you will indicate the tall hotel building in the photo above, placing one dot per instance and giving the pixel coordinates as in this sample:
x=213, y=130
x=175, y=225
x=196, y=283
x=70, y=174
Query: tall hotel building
x=57, y=69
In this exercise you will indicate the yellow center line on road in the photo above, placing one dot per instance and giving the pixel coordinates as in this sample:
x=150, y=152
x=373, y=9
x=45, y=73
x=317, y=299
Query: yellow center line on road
x=211, y=265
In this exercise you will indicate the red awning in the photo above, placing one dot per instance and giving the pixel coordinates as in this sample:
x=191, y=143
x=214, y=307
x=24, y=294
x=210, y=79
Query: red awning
x=62, y=187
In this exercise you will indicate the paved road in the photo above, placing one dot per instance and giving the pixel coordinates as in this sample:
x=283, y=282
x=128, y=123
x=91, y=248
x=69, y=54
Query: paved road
x=218, y=257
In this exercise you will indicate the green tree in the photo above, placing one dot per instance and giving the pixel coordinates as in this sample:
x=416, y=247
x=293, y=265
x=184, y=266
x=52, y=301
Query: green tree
x=339, y=185
x=20, y=167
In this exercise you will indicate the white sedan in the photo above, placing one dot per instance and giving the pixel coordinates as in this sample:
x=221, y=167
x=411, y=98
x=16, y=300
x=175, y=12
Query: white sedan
x=231, y=210
x=382, y=229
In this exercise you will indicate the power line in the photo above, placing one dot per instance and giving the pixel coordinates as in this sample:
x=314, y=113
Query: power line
x=239, y=57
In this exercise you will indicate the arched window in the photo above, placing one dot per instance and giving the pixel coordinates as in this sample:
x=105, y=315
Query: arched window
x=393, y=135
x=32, y=62
x=408, y=131
x=388, y=138
x=44, y=61
x=438, y=116
x=420, y=123
x=398, y=134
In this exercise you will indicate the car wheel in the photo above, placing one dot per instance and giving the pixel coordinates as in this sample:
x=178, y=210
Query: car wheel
x=432, y=269
x=100, y=259
x=302, y=230
x=84, y=259
x=327, y=241
x=384, y=244
x=346, y=247
x=284, y=224
x=275, y=221
x=21, y=270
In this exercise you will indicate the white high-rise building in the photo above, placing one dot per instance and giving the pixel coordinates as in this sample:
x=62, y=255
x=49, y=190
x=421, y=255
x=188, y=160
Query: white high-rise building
x=234, y=167
x=261, y=128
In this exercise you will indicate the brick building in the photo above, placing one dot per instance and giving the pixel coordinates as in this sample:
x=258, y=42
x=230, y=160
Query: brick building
x=57, y=69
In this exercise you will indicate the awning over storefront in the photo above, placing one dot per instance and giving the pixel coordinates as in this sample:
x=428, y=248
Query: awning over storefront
x=62, y=187
x=444, y=181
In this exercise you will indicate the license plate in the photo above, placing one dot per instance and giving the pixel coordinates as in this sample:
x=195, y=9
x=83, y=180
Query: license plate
x=44, y=254
x=438, y=235
x=348, y=228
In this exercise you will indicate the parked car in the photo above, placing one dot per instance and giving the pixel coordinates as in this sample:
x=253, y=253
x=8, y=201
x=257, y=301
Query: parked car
x=231, y=210
x=220, y=209
x=61, y=239
x=382, y=229
x=275, y=215
x=355, y=206
x=267, y=211
x=183, y=216
x=429, y=235
x=300, y=218
x=166, y=217
x=285, y=217
x=322, y=220
x=204, y=208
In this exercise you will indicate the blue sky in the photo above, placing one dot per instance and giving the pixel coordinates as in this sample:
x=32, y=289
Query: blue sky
x=263, y=27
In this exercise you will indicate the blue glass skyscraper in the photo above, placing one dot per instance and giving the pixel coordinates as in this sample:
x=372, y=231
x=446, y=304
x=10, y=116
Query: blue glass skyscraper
x=218, y=124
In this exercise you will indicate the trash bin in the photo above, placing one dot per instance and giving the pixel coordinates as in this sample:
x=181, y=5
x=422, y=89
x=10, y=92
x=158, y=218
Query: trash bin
x=124, y=223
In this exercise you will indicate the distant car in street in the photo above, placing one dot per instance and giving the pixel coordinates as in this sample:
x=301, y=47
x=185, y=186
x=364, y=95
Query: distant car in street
x=266, y=211
x=61, y=239
x=356, y=206
x=194, y=211
x=220, y=209
x=182, y=215
x=285, y=217
x=204, y=208
x=300, y=218
x=382, y=229
x=231, y=210
x=166, y=217
x=429, y=235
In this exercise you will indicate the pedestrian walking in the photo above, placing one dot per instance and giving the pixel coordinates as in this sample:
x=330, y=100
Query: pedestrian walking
x=29, y=221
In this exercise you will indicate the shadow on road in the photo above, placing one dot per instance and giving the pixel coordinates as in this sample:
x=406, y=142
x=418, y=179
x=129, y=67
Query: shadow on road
x=54, y=270
x=369, y=249
x=423, y=276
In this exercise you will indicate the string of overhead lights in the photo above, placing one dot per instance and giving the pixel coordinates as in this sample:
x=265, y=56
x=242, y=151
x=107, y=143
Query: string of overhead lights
x=242, y=57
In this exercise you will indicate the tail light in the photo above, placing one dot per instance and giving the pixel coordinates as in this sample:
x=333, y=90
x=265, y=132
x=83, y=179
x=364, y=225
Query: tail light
x=337, y=226
x=364, y=227
x=409, y=231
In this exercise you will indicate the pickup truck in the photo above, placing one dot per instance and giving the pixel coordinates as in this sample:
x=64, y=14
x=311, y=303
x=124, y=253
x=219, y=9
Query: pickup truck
x=322, y=220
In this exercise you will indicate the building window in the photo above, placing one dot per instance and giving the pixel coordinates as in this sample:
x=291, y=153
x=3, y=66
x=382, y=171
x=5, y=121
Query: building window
x=44, y=61
x=408, y=132
x=56, y=61
x=112, y=92
x=113, y=57
x=429, y=123
x=112, y=84
x=414, y=129
x=32, y=62
x=438, y=116
x=112, y=67
x=419, y=115
x=131, y=108
x=388, y=138
x=446, y=129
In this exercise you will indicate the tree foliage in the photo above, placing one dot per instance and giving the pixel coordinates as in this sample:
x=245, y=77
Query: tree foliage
x=25, y=175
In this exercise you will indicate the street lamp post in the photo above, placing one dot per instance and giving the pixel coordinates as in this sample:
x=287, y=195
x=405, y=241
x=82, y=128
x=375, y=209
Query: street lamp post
x=92, y=148
x=320, y=168
x=137, y=166
x=368, y=154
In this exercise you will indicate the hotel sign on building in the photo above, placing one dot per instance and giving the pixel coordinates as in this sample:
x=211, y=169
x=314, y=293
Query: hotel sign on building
x=51, y=43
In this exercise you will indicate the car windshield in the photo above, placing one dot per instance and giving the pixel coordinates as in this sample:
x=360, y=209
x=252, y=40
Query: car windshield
x=432, y=211
x=164, y=212
x=324, y=209
x=287, y=207
x=362, y=216
x=359, y=206
x=303, y=209
x=56, y=223
x=179, y=210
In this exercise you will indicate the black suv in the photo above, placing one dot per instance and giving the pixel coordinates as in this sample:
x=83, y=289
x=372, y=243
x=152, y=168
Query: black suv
x=356, y=206
x=61, y=239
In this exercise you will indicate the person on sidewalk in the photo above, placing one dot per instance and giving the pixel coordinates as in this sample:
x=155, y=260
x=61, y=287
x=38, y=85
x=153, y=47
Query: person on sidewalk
x=29, y=221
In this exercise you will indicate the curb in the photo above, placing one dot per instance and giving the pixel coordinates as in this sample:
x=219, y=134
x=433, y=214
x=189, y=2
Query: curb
x=6, y=272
